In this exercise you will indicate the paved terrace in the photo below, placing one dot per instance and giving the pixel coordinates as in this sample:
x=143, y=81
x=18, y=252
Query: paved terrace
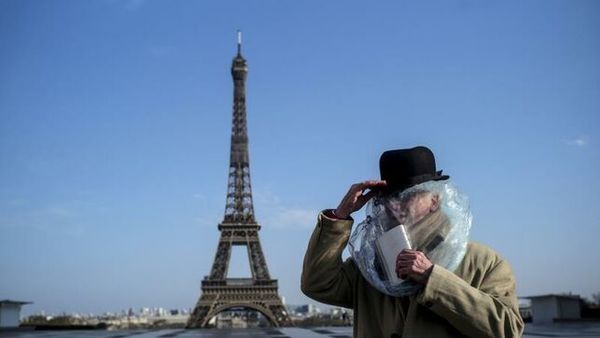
x=574, y=330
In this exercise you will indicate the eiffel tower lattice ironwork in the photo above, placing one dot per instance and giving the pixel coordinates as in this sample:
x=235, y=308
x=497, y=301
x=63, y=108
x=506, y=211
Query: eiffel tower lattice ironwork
x=220, y=293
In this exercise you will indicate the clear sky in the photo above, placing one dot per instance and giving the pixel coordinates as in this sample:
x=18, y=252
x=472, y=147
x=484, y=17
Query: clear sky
x=115, y=122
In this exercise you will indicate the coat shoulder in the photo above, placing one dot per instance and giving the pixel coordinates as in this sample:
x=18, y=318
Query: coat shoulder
x=481, y=255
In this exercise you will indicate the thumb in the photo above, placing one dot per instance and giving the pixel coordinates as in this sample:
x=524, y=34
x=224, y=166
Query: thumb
x=363, y=199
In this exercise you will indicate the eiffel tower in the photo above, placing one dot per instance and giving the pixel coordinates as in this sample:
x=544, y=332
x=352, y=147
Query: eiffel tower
x=220, y=293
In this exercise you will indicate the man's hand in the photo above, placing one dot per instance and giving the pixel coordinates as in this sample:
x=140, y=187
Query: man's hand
x=356, y=199
x=414, y=265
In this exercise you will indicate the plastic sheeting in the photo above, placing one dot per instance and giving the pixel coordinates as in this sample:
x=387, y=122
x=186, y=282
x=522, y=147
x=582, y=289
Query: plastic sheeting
x=441, y=234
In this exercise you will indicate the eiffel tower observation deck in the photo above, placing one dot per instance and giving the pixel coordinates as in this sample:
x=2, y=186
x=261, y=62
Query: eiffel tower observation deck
x=239, y=227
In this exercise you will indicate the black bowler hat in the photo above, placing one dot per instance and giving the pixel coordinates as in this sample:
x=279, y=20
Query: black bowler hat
x=404, y=168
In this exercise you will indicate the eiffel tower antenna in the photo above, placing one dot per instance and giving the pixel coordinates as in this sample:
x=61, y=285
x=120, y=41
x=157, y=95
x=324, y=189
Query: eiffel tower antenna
x=239, y=227
x=239, y=45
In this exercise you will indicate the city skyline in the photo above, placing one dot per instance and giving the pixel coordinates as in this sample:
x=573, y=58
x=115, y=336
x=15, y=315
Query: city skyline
x=115, y=123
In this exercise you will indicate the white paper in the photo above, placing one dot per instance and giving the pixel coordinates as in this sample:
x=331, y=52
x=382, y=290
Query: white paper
x=389, y=245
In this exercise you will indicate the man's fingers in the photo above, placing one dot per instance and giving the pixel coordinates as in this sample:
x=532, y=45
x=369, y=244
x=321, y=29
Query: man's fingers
x=366, y=185
x=404, y=271
x=412, y=251
x=359, y=188
x=410, y=271
x=370, y=195
x=407, y=264
x=372, y=183
x=365, y=198
x=406, y=260
x=407, y=255
x=355, y=199
x=404, y=264
x=403, y=261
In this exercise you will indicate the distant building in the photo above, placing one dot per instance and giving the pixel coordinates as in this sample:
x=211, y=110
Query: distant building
x=337, y=312
x=550, y=308
x=341, y=313
x=308, y=310
x=525, y=309
x=10, y=312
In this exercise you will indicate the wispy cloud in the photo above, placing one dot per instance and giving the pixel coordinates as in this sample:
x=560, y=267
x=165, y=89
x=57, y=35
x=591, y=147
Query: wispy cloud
x=15, y=202
x=208, y=220
x=580, y=141
x=199, y=196
x=60, y=212
x=274, y=212
x=266, y=198
x=271, y=211
x=68, y=217
x=292, y=218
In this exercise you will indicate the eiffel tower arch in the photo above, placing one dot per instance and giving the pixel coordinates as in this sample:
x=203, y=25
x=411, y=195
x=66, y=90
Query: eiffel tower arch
x=239, y=228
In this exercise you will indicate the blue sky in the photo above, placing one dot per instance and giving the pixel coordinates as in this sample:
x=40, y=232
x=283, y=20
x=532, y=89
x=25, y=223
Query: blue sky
x=115, y=120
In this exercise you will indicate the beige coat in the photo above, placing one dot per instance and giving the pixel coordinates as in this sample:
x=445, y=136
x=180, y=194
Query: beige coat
x=477, y=300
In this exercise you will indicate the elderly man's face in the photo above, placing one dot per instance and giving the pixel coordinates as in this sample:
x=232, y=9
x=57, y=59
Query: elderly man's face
x=411, y=208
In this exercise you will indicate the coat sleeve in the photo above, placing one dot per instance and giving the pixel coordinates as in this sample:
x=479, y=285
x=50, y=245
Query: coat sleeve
x=325, y=278
x=491, y=310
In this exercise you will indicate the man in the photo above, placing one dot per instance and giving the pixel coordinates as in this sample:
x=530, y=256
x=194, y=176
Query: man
x=477, y=299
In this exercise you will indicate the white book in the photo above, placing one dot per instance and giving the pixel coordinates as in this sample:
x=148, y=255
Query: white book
x=388, y=246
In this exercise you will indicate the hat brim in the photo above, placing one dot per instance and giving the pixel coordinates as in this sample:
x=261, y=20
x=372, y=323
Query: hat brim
x=388, y=189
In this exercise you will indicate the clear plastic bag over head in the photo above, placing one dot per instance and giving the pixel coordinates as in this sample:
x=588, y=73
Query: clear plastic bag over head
x=441, y=233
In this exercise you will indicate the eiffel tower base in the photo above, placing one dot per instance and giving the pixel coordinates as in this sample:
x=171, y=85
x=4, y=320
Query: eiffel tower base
x=219, y=296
